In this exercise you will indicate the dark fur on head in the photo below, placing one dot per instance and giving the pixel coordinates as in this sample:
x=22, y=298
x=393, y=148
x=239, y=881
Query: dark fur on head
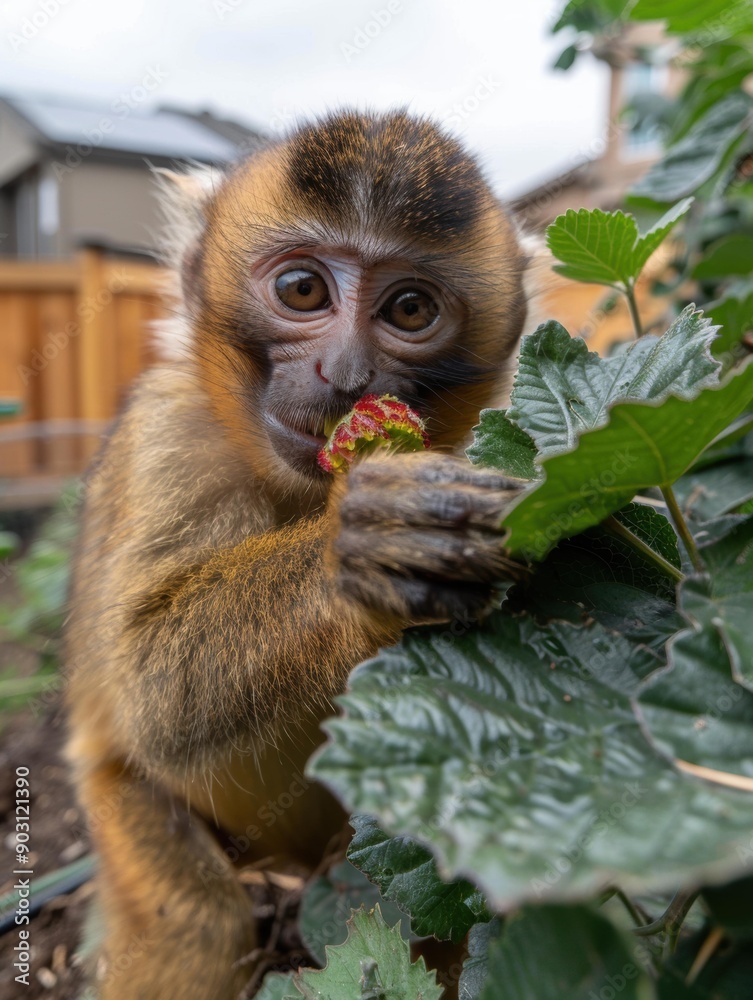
x=393, y=173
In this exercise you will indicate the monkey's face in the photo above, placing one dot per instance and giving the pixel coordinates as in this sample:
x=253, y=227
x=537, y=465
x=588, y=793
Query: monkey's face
x=337, y=327
x=365, y=254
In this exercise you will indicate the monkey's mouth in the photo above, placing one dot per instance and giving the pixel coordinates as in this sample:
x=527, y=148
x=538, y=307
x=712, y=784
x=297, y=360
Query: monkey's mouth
x=298, y=437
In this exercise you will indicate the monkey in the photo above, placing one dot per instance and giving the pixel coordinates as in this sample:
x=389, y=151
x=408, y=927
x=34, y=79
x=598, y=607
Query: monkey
x=223, y=586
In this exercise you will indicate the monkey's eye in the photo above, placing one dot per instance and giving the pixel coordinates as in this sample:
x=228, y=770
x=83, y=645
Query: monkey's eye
x=302, y=290
x=410, y=310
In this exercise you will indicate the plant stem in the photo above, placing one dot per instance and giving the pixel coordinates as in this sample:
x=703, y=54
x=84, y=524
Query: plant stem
x=637, y=917
x=682, y=527
x=629, y=291
x=672, y=918
x=618, y=528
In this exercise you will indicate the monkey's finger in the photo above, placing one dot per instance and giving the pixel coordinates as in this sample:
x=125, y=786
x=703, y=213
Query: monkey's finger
x=386, y=471
x=417, y=601
x=428, y=506
x=475, y=557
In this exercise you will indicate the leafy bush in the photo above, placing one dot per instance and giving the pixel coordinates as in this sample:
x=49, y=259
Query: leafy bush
x=32, y=614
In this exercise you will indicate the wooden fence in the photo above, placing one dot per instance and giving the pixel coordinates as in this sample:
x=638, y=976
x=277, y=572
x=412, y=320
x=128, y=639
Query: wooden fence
x=73, y=335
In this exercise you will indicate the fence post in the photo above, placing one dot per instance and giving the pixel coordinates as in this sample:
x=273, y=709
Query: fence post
x=96, y=351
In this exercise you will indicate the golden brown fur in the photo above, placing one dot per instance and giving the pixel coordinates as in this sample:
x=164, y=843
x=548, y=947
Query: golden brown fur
x=221, y=596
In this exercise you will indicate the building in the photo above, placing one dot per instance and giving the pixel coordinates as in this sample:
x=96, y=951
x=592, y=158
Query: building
x=78, y=173
x=638, y=95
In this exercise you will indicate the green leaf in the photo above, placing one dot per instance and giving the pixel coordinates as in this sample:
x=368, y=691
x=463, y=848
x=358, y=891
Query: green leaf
x=730, y=905
x=326, y=906
x=564, y=953
x=604, y=247
x=502, y=445
x=642, y=445
x=715, y=18
x=716, y=490
x=599, y=575
x=709, y=84
x=561, y=388
x=648, y=244
x=278, y=986
x=719, y=604
x=475, y=967
x=735, y=441
x=734, y=314
x=697, y=709
x=515, y=752
x=692, y=161
x=594, y=246
x=10, y=543
x=566, y=58
x=406, y=873
x=373, y=962
x=728, y=557
x=653, y=528
x=592, y=16
x=730, y=255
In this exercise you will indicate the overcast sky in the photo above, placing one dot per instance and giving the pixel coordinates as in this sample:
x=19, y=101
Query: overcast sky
x=480, y=65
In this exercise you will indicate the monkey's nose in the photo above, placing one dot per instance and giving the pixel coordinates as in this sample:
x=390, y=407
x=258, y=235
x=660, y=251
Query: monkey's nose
x=320, y=373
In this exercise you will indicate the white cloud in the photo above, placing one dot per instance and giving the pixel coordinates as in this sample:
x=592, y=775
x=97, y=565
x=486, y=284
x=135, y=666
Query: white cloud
x=269, y=62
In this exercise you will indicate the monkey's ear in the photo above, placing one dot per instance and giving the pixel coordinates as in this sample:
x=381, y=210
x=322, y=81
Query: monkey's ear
x=183, y=200
x=183, y=197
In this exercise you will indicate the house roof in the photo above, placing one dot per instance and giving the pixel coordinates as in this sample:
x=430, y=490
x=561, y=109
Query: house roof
x=162, y=132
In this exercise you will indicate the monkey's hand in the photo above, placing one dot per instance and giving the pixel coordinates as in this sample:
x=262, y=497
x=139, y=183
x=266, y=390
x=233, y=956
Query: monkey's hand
x=418, y=535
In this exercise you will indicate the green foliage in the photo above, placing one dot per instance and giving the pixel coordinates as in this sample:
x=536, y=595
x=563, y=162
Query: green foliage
x=41, y=576
x=731, y=255
x=718, y=16
x=32, y=614
x=696, y=157
x=516, y=752
x=327, y=903
x=406, y=873
x=642, y=446
x=591, y=737
x=605, y=247
x=565, y=396
x=563, y=953
x=562, y=389
x=373, y=963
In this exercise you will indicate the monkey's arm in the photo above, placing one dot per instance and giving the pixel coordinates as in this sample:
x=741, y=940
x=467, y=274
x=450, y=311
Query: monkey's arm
x=239, y=644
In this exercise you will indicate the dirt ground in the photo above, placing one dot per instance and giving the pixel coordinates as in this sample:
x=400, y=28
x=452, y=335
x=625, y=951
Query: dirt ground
x=34, y=739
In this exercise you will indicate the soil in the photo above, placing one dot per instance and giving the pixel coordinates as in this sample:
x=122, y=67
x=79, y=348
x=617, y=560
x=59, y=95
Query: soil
x=34, y=739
